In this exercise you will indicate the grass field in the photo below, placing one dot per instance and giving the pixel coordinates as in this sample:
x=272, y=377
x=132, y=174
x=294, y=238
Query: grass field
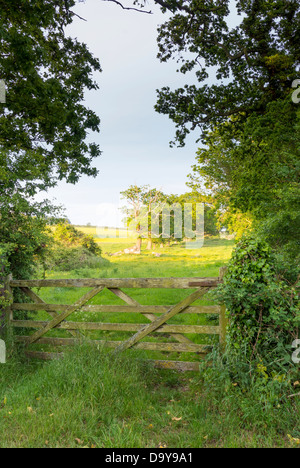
x=93, y=399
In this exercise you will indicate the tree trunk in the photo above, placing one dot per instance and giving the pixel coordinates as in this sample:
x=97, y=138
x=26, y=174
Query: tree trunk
x=139, y=244
x=149, y=245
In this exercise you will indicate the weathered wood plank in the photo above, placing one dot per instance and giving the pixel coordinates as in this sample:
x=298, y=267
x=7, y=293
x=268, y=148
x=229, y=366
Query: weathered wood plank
x=171, y=283
x=223, y=321
x=140, y=309
x=122, y=295
x=46, y=340
x=222, y=273
x=158, y=316
x=51, y=308
x=34, y=297
x=181, y=366
x=43, y=355
x=129, y=300
x=8, y=311
x=162, y=319
x=149, y=346
x=130, y=327
x=202, y=284
x=60, y=318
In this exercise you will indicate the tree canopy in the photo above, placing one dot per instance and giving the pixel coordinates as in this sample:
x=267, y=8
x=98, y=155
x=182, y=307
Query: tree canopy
x=44, y=124
x=251, y=64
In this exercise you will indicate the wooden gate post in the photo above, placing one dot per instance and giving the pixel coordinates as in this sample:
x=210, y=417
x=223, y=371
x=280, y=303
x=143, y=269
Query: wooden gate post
x=223, y=317
x=8, y=309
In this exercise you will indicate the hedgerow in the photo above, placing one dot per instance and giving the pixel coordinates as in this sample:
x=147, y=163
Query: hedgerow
x=264, y=319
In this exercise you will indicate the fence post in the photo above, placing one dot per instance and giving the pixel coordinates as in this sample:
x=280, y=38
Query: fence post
x=8, y=309
x=223, y=317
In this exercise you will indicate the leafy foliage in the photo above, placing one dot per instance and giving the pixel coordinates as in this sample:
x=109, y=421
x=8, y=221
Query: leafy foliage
x=72, y=258
x=246, y=119
x=143, y=202
x=43, y=124
x=193, y=198
x=152, y=213
x=251, y=174
x=73, y=249
x=263, y=307
x=24, y=237
x=68, y=236
x=254, y=62
x=24, y=234
x=4, y=269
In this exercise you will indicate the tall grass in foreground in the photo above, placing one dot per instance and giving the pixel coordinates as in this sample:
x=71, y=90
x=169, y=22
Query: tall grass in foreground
x=95, y=399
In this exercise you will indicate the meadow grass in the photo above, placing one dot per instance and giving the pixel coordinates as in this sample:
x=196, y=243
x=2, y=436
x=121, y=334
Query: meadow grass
x=93, y=398
x=96, y=400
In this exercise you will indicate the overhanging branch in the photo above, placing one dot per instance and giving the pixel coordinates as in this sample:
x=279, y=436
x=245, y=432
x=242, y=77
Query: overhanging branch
x=129, y=8
x=170, y=7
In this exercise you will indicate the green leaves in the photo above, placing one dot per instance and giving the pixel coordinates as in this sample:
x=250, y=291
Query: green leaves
x=46, y=74
x=254, y=62
x=44, y=124
x=263, y=307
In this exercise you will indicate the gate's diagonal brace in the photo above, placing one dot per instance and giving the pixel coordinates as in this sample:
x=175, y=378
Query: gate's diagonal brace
x=38, y=300
x=60, y=318
x=182, y=305
x=32, y=295
x=129, y=300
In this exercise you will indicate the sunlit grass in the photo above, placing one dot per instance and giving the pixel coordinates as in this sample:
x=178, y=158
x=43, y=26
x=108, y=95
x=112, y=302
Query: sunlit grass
x=93, y=399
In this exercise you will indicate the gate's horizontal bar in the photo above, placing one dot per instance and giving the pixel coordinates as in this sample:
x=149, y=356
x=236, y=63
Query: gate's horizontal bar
x=197, y=329
x=182, y=366
x=43, y=355
x=201, y=284
x=171, y=283
x=150, y=346
x=117, y=308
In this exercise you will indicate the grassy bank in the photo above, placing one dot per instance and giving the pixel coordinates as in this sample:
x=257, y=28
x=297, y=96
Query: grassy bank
x=90, y=399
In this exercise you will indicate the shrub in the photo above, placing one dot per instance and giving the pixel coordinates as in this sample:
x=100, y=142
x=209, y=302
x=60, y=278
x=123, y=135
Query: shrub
x=263, y=311
x=68, y=236
x=4, y=271
x=72, y=249
x=71, y=258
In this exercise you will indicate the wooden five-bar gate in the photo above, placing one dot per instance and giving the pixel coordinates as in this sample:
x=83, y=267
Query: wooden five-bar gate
x=157, y=316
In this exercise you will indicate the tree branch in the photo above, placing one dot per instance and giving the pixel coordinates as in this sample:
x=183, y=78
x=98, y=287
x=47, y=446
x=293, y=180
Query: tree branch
x=181, y=7
x=129, y=8
x=231, y=57
x=78, y=16
x=172, y=8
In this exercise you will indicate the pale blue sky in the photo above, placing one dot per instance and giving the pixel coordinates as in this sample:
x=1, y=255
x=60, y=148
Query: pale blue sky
x=134, y=138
